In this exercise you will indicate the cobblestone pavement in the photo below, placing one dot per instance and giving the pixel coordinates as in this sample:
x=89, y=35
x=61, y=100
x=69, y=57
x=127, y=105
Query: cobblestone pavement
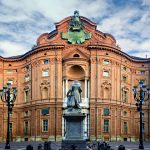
x=57, y=145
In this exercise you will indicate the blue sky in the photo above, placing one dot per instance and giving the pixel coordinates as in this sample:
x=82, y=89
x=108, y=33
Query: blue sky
x=23, y=21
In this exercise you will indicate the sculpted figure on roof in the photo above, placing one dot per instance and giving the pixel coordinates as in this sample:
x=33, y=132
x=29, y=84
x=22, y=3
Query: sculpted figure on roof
x=76, y=33
x=75, y=21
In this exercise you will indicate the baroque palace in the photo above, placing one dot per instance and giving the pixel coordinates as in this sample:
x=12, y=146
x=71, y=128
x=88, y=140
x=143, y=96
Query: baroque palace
x=76, y=50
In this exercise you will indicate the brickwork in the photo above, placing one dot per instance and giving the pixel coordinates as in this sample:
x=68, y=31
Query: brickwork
x=87, y=63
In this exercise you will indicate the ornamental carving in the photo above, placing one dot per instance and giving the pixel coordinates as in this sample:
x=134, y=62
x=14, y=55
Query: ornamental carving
x=45, y=83
x=106, y=84
x=75, y=34
x=52, y=61
x=106, y=90
x=27, y=88
x=44, y=86
x=93, y=60
x=59, y=59
x=125, y=88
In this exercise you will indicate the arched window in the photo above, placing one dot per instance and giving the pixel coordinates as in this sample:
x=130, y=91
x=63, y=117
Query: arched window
x=106, y=93
x=76, y=55
x=45, y=93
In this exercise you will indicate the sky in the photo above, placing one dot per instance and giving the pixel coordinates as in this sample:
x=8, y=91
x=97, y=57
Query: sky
x=23, y=21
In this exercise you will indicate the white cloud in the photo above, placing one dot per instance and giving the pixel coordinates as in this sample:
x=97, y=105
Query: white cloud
x=11, y=49
x=23, y=21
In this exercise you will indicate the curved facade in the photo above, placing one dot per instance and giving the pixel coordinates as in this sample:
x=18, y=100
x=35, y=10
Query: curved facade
x=44, y=74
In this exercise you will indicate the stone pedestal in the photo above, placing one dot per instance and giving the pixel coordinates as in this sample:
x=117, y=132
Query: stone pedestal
x=74, y=131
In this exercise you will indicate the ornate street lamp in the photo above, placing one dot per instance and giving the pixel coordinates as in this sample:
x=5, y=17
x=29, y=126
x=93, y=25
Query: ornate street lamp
x=141, y=95
x=8, y=96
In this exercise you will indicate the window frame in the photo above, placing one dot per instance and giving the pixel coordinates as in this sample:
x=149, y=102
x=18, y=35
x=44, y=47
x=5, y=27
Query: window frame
x=44, y=126
x=106, y=126
x=46, y=61
x=26, y=95
x=106, y=73
x=45, y=73
x=125, y=96
x=26, y=127
x=104, y=111
x=106, y=62
x=125, y=127
x=11, y=81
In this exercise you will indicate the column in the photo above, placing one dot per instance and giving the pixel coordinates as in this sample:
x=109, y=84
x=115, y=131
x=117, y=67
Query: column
x=88, y=89
x=63, y=89
x=66, y=86
x=85, y=89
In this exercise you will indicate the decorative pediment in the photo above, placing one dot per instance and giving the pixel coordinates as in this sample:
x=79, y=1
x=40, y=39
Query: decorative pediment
x=76, y=53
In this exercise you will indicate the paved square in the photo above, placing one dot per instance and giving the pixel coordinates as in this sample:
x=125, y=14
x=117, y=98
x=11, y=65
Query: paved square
x=57, y=145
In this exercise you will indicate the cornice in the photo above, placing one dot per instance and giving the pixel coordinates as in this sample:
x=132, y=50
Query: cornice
x=36, y=49
x=117, y=51
x=75, y=59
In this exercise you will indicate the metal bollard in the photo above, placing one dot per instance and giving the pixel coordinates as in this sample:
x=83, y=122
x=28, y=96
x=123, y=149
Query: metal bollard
x=40, y=147
x=49, y=145
x=121, y=147
x=46, y=146
x=29, y=147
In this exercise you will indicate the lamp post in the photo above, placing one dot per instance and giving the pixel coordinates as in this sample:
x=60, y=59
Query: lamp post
x=140, y=97
x=8, y=96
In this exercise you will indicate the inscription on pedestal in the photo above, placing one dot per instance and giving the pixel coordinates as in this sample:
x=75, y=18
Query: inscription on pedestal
x=74, y=129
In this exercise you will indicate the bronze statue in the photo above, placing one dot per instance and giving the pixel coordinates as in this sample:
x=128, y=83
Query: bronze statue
x=75, y=21
x=74, y=95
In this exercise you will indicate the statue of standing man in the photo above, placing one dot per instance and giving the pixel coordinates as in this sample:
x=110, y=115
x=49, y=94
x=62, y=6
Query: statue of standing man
x=74, y=95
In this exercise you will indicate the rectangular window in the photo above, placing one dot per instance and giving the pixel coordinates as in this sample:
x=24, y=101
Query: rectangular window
x=106, y=111
x=26, y=114
x=142, y=72
x=106, y=73
x=10, y=81
x=45, y=73
x=26, y=127
x=125, y=96
x=45, y=125
x=9, y=71
x=125, y=128
x=26, y=96
x=45, y=111
x=106, y=125
x=124, y=78
x=143, y=81
x=46, y=61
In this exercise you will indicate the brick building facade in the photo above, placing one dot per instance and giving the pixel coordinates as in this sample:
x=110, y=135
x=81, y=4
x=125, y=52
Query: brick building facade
x=44, y=74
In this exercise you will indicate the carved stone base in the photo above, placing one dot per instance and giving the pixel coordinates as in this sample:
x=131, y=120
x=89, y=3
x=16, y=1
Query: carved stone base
x=74, y=131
